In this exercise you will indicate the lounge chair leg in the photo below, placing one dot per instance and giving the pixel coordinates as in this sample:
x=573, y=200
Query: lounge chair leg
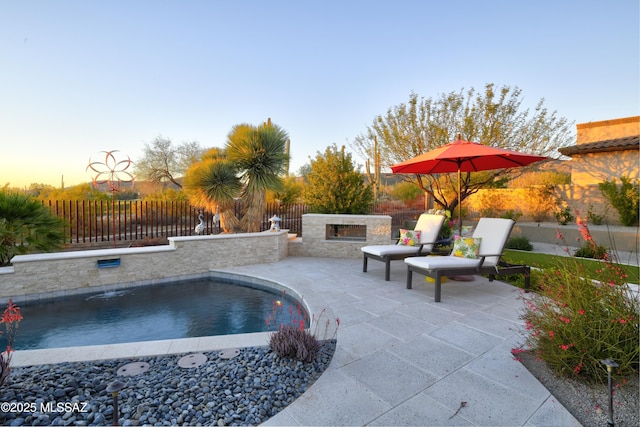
x=438, y=287
x=527, y=280
x=387, y=269
x=364, y=264
x=409, y=277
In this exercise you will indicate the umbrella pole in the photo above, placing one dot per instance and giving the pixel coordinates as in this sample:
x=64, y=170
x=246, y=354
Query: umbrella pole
x=459, y=202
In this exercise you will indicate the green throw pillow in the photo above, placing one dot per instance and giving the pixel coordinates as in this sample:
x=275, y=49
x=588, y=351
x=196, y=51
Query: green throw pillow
x=466, y=247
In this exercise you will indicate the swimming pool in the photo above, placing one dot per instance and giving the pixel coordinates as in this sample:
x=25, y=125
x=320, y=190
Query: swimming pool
x=179, y=309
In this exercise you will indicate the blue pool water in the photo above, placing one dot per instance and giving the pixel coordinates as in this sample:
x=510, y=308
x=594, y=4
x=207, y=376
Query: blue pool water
x=185, y=309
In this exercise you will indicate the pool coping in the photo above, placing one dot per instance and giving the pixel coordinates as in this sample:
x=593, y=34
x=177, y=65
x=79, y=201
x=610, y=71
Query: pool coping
x=312, y=303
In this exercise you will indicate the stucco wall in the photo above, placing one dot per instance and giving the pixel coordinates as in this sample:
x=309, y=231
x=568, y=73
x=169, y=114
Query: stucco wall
x=580, y=198
x=59, y=273
x=607, y=129
x=593, y=168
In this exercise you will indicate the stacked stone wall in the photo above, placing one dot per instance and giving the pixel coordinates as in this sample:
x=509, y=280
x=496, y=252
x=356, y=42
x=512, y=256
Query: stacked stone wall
x=55, y=274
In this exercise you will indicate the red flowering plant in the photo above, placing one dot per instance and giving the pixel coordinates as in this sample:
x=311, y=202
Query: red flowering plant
x=292, y=339
x=11, y=319
x=579, y=317
x=589, y=248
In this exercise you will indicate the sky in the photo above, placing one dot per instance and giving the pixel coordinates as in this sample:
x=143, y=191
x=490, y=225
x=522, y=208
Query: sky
x=81, y=77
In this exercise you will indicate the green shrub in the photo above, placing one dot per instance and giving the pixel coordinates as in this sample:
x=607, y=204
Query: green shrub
x=26, y=226
x=594, y=218
x=564, y=216
x=624, y=200
x=334, y=185
x=512, y=214
x=517, y=280
x=590, y=250
x=577, y=319
x=520, y=243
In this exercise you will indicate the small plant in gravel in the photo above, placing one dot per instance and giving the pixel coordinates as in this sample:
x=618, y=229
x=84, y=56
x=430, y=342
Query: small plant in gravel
x=293, y=342
x=293, y=339
x=578, y=318
x=11, y=319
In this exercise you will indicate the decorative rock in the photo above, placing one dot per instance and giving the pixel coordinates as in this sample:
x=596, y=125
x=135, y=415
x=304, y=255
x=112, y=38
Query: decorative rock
x=245, y=389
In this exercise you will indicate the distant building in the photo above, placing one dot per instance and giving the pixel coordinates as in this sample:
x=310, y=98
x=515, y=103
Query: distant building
x=605, y=150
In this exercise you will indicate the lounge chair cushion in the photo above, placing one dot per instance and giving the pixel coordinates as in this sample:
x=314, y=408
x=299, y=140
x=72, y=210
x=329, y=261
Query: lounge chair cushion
x=389, y=250
x=442, y=262
x=409, y=237
x=466, y=247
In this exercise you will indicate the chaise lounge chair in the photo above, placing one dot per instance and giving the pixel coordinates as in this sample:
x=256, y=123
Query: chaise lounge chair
x=488, y=239
x=429, y=227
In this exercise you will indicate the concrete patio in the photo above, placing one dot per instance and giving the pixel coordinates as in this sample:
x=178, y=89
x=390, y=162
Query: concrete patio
x=401, y=358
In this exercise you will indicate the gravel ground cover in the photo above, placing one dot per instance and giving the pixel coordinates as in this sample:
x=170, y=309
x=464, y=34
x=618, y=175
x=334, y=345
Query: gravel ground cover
x=243, y=390
x=589, y=403
x=246, y=389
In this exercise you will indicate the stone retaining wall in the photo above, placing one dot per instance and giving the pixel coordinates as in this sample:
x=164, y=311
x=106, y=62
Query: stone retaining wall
x=54, y=274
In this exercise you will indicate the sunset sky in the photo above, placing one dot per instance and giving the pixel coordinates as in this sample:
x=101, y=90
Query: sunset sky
x=80, y=77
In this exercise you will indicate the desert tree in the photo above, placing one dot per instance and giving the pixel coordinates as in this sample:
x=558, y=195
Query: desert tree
x=494, y=117
x=163, y=161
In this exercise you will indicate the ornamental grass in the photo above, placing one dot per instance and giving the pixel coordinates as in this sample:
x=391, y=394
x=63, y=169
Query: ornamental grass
x=577, y=318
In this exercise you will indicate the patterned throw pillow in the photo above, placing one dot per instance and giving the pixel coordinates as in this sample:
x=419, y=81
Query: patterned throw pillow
x=466, y=247
x=409, y=237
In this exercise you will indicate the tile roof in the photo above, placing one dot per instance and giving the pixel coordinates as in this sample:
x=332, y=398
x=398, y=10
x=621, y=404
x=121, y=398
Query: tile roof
x=618, y=144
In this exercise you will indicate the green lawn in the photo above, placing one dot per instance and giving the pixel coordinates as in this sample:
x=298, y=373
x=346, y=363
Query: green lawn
x=534, y=259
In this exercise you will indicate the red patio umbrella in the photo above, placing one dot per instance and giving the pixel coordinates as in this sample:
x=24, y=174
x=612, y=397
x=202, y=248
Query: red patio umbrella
x=464, y=156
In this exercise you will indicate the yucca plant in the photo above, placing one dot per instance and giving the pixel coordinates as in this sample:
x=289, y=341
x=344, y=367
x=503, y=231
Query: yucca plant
x=259, y=154
x=214, y=184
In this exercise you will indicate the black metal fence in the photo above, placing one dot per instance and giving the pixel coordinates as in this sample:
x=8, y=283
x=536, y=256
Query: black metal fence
x=133, y=220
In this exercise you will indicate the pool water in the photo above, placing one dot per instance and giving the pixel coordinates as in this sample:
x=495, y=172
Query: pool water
x=195, y=308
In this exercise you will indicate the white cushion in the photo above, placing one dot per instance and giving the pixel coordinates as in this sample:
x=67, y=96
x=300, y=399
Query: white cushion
x=384, y=250
x=429, y=226
x=439, y=262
